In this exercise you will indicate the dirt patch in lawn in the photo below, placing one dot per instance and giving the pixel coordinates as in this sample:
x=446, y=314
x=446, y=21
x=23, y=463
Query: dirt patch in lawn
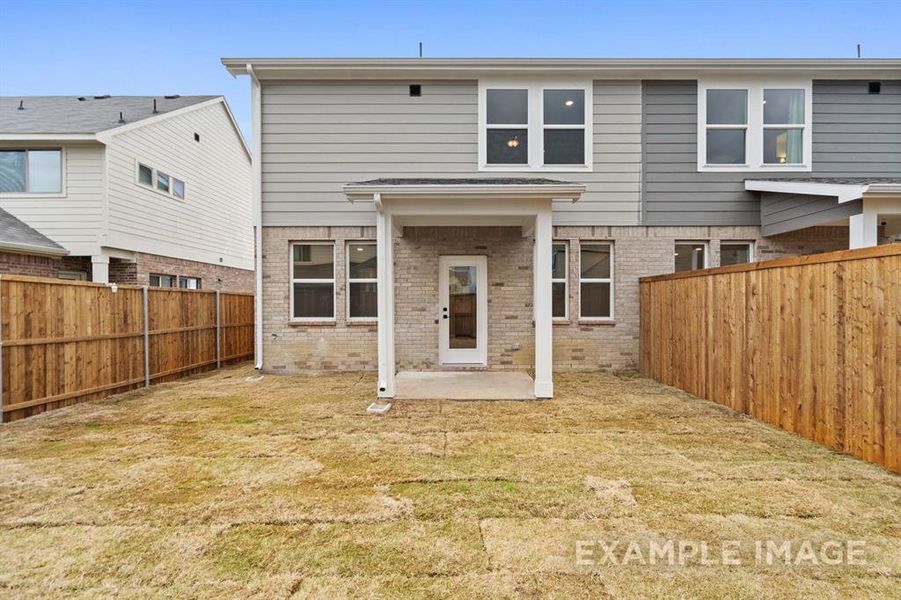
x=219, y=486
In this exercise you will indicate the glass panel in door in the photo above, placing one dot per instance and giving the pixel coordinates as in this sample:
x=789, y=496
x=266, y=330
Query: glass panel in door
x=463, y=307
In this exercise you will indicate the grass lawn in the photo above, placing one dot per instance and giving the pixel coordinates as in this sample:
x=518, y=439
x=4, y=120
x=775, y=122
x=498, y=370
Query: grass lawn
x=218, y=486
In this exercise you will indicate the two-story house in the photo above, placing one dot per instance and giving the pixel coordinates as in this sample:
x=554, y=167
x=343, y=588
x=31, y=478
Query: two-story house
x=126, y=189
x=441, y=214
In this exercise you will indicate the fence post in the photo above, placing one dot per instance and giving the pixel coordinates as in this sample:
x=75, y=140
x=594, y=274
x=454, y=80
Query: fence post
x=146, y=339
x=218, y=332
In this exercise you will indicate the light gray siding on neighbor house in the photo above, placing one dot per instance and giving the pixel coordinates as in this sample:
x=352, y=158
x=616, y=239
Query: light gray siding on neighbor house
x=780, y=213
x=854, y=134
x=318, y=136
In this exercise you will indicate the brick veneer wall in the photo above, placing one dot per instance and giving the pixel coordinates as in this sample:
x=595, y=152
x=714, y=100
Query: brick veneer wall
x=305, y=348
x=212, y=277
x=638, y=252
x=43, y=266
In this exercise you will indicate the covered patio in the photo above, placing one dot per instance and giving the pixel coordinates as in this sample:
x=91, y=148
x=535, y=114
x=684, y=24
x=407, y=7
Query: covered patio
x=496, y=202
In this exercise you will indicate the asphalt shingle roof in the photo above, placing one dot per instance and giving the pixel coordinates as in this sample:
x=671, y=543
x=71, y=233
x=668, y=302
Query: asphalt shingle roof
x=832, y=180
x=93, y=114
x=15, y=234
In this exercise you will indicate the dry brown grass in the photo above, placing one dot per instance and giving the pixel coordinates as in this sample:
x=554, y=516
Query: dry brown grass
x=220, y=487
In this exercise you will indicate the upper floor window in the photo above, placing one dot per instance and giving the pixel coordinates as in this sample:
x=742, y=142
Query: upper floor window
x=534, y=126
x=757, y=126
x=31, y=171
x=160, y=181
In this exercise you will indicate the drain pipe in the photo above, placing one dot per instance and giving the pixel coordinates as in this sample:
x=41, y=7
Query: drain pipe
x=257, y=163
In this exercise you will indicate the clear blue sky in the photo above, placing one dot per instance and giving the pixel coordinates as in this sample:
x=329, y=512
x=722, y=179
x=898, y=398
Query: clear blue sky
x=161, y=47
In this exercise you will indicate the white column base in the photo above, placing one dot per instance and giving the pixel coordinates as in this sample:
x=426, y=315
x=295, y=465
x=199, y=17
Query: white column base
x=100, y=269
x=544, y=389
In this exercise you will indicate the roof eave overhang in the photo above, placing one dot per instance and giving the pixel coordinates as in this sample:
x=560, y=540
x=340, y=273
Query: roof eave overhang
x=48, y=137
x=32, y=249
x=844, y=192
x=364, y=192
x=457, y=68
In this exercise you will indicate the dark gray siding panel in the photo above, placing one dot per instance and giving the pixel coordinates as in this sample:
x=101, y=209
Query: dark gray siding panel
x=854, y=134
x=673, y=192
x=780, y=213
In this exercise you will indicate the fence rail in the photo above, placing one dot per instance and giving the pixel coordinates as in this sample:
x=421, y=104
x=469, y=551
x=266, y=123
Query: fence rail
x=810, y=344
x=64, y=342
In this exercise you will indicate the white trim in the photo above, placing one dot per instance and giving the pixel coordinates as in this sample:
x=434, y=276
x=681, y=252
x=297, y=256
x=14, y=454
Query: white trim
x=535, y=127
x=561, y=191
x=754, y=128
x=542, y=311
x=31, y=249
x=48, y=137
x=845, y=192
x=154, y=178
x=385, y=275
x=751, y=244
x=106, y=134
x=564, y=280
x=348, y=280
x=610, y=280
x=704, y=243
x=596, y=68
x=256, y=125
x=463, y=356
x=62, y=175
x=292, y=280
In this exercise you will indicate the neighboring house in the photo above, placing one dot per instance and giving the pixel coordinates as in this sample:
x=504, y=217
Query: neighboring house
x=133, y=189
x=440, y=214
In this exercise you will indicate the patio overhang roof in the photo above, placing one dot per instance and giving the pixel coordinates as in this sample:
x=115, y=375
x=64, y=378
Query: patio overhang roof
x=845, y=189
x=496, y=188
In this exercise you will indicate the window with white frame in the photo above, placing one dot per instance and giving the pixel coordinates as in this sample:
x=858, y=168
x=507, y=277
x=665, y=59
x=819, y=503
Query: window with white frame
x=313, y=281
x=759, y=126
x=736, y=253
x=189, y=283
x=534, y=125
x=560, y=295
x=596, y=281
x=31, y=171
x=159, y=280
x=362, y=286
x=160, y=182
x=690, y=256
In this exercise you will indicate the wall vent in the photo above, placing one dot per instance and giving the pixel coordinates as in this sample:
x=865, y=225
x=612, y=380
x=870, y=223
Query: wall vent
x=875, y=87
x=416, y=90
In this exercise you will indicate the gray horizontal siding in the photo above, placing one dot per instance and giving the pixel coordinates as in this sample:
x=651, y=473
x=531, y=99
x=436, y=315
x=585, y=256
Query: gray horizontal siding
x=780, y=213
x=854, y=134
x=318, y=136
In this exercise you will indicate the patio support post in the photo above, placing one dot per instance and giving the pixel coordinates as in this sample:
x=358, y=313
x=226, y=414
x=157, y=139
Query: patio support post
x=385, y=278
x=542, y=306
x=863, y=230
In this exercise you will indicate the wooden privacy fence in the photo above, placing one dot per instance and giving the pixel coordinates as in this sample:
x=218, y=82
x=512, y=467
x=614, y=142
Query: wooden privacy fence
x=810, y=344
x=64, y=342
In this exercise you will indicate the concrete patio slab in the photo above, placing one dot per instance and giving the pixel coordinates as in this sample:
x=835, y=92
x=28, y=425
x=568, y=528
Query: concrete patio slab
x=464, y=385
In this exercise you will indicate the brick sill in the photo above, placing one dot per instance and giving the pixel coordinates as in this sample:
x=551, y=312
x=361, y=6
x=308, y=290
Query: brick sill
x=597, y=323
x=312, y=323
x=357, y=323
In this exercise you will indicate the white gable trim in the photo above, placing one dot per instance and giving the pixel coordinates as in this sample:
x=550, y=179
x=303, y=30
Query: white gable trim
x=105, y=135
x=845, y=192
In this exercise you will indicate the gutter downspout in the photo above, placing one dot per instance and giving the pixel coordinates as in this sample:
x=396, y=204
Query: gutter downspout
x=257, y=163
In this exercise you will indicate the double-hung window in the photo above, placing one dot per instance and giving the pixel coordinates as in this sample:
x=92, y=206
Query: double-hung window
x=754, y=126
x=312, y=281
x=362, y=287
x=559, y=296
x=160, y=280
x=538, y=125
x=596, y=281
x=31, y=171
